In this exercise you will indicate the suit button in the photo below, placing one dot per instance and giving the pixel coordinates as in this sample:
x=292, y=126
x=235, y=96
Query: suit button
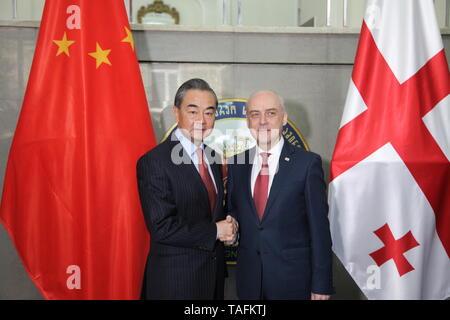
x=260, y=228
x=258, y=253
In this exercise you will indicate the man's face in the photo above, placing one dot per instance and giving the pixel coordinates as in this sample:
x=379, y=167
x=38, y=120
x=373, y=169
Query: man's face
x=265, y=118
x=196, y=114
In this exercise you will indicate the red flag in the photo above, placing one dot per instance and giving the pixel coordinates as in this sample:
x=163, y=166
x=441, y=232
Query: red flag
x=70, y=201
x=390, y=172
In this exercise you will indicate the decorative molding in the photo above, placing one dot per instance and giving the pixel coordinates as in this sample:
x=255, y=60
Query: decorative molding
x=158, y=6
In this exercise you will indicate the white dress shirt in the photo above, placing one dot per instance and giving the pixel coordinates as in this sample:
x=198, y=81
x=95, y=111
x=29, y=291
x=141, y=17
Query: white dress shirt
x=273, y=162
x=190, y=149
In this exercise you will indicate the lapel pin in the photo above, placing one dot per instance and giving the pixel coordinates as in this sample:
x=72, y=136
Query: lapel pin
x=287, y=159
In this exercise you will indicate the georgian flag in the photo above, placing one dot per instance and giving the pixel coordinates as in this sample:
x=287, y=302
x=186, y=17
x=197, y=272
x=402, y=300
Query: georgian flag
x=390, y=173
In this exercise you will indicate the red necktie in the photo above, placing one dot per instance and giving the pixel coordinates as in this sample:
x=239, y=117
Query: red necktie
x=261, y=189
x=206, y=177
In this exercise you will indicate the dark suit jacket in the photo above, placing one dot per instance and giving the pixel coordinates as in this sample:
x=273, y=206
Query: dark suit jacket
x=288, y=254
x=185, y=260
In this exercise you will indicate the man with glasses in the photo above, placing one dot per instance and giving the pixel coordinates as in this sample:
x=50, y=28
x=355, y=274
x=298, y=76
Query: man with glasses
x=181, y=192
x=277, y=194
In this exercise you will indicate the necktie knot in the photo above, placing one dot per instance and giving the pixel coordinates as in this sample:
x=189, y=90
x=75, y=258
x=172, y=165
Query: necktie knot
x=265, y=158
x=265, y=163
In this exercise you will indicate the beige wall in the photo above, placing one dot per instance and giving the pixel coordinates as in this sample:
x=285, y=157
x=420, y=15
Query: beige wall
x=26, y=9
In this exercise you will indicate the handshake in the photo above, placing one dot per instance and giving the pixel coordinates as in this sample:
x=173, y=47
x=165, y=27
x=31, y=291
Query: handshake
x=227, y=230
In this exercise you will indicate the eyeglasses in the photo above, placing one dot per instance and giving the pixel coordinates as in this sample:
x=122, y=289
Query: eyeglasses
x=268, y=114
x=195, y=113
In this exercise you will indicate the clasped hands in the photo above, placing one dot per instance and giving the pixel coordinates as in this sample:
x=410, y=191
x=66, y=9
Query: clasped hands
x=227, y=230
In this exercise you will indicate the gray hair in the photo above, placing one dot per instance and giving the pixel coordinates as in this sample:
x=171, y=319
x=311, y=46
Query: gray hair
x=196, y=83
x=283, y=108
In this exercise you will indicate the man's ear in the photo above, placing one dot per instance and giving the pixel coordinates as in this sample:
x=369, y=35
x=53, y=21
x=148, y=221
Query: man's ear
x=285, y=118
x=176, y=112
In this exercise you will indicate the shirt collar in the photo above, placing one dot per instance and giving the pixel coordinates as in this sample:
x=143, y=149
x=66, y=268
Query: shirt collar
x=275, y=150
x=187, y=144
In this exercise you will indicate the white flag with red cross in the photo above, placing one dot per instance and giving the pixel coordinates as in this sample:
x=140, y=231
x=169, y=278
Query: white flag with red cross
x=389, y=193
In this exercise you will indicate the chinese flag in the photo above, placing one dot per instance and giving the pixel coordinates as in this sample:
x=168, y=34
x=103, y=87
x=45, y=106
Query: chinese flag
x=70, y=201
x=390, y=173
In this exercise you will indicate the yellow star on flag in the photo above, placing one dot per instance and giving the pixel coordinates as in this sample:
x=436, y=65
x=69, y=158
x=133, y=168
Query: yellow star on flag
x=63, y=45
x=100, y=55
x=129, y=38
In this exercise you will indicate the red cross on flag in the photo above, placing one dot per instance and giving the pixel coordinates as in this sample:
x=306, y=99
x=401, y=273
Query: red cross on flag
x=70, y=201
x=389, y=193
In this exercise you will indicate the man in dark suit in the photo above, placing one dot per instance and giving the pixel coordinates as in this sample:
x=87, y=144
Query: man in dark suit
x=277, y=194
x=181, y=192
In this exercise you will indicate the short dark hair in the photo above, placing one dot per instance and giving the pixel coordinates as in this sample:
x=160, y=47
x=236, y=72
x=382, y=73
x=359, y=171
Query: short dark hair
x=196, y=83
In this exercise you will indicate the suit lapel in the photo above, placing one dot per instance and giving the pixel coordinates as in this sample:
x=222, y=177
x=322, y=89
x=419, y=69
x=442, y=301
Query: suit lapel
x=189, y=167
x=247, y=174
x=186, y=162
x=284, y=167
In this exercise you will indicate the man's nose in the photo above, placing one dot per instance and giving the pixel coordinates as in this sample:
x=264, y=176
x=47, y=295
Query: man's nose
x=262, y=119
x=198, y=123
